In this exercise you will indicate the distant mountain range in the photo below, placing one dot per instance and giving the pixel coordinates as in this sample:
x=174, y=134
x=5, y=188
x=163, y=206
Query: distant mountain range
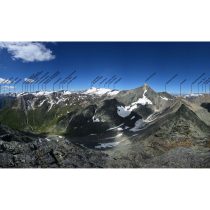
x=130, y=128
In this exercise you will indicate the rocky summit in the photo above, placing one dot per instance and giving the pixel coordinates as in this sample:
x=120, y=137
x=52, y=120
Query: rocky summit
x=103, y=128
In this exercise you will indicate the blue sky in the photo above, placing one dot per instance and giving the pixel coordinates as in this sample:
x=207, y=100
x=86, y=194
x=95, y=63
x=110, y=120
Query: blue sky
x=133, y=61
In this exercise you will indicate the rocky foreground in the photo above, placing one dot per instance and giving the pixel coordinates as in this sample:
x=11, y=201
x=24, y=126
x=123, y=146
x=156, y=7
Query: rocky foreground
x=24, y=150
x=21, y=150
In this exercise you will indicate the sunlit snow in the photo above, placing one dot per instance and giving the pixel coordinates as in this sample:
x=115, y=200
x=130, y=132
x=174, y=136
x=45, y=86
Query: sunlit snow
x=42, y=103
x=110, y=144
x=164, y=98
x=143, y=101
x=95, y=119
x=107, y=145
x=101, y=91
x=112, y=93
x=138, y=125
x=67, y=92
x=116, y=127
x=125, y=111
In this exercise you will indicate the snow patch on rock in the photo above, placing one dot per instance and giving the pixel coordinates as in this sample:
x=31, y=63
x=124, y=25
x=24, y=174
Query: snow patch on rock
x=164, y=98
x=116, y=127
x=42, y=103
x=95, y=119
x=139, y=124
x=67, y=93
x=113, y=93
x=123, y=111
x=107, y=145
x=110, y=144
x=42, y=93
x=143, y=101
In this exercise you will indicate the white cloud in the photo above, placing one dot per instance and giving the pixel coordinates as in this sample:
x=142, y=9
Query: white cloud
x=5, y=81
x=28, y=80
x=28, y=51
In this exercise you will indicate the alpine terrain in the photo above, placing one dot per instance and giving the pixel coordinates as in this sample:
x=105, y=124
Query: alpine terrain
x=104, y=128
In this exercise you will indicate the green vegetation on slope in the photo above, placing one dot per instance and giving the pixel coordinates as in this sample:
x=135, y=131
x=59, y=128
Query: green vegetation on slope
x=39, y=120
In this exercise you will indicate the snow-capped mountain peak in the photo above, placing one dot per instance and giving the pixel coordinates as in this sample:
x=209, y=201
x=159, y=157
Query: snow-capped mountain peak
x=101, y=91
